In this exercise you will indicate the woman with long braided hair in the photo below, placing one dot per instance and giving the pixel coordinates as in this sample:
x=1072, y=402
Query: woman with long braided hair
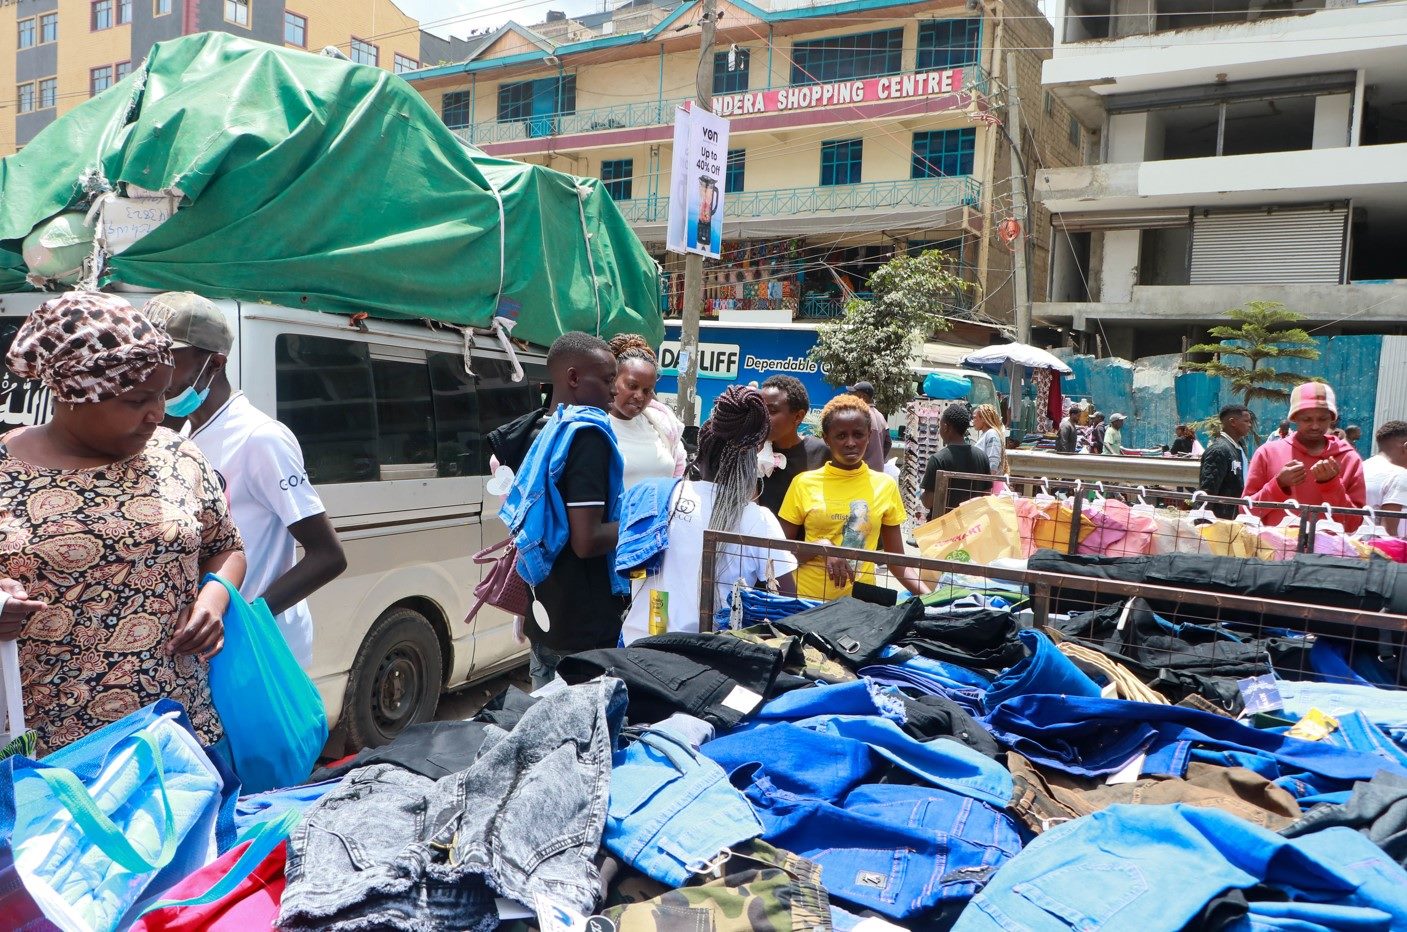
x=848, y=504
x=720, y=500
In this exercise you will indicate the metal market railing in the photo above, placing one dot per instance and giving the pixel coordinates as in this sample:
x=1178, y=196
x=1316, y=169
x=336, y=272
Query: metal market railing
x=923, y=193
x=1359, y=629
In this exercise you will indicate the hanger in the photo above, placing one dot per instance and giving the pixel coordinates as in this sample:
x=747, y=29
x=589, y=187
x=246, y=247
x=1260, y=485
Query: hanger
x=1329, y=524
x=1201, y=513
x=1143, y=507
x=1043, y=497
x=1370, y=529
x=1008, y=491
x=1250, y=520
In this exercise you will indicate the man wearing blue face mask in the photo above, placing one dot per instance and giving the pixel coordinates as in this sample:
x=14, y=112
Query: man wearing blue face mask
x=260, y=466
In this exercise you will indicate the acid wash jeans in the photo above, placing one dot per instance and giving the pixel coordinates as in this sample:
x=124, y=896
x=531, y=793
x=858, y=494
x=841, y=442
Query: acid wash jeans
x=390, y=849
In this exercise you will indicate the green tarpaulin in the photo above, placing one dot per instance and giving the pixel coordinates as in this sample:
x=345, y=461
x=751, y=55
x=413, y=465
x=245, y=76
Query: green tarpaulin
x=310, y=182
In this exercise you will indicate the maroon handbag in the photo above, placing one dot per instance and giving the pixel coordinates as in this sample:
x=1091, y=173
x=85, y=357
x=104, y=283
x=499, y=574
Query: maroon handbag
x=501, y=585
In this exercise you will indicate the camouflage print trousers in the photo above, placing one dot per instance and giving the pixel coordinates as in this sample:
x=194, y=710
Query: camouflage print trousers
x=762, y=889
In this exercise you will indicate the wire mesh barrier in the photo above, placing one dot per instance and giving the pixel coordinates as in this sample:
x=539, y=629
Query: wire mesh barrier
x=1177, y=627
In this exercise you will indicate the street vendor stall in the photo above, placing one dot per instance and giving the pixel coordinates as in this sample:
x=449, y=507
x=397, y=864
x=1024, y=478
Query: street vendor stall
x=1020, y=361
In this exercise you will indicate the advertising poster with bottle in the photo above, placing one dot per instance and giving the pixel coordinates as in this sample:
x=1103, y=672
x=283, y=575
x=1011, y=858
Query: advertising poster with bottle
x=696, y=182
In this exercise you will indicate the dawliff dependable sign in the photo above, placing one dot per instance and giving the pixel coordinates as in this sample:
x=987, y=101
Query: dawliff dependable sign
x=836, y=93
x=696, y=186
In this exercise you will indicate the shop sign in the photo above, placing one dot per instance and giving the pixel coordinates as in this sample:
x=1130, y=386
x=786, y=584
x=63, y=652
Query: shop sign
x=715, y=360
x=839, y=93
x=696, y=183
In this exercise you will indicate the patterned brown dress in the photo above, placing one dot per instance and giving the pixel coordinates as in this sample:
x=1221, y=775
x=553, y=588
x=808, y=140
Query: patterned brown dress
x=116, y=552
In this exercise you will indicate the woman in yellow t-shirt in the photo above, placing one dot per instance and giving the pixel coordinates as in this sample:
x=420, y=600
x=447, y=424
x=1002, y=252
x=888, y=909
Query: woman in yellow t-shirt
x=847, y=504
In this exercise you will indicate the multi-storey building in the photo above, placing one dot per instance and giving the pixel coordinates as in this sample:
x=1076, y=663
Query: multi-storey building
x=1247, y=150
x=852, y=133
x=66, y=51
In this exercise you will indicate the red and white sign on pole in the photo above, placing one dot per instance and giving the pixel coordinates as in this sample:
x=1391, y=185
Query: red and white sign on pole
x=696, y=182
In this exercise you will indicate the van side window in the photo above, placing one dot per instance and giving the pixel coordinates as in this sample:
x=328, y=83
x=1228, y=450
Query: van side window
x=325, y=396
x=456, y=403
x=405, y=419
x=501, y=399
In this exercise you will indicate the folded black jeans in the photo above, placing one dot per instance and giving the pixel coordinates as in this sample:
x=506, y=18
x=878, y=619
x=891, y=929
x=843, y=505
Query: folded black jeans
x=714, y=677
x=852, y=631
x=983, y=639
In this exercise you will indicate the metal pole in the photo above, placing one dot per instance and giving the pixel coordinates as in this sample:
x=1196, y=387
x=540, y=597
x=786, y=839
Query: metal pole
x=1021, y=297
x=693, y=263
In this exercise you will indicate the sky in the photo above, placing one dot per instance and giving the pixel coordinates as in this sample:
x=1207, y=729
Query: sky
x=487, y=14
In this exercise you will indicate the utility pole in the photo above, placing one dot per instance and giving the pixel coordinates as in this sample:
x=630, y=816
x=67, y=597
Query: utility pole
x=1021, y=287
x=693, y=263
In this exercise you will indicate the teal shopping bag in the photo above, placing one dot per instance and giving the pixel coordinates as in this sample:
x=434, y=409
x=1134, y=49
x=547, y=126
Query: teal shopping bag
x=95, y=829
x=273, y=716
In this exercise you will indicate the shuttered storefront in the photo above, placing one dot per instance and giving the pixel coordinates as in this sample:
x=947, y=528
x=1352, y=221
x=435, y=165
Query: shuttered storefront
x=1280, y=246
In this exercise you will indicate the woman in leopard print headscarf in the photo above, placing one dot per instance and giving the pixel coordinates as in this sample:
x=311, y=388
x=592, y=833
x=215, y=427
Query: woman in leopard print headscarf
x=108, y=522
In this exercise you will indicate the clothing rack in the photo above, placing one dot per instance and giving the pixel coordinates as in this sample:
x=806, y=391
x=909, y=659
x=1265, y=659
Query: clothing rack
x=1043, y=586
x=1309, y=515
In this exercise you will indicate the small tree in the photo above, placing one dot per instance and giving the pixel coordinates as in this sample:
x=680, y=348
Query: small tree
x=874, y=339
x=1266, y=331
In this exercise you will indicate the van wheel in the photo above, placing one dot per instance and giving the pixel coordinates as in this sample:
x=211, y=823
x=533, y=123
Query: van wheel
x=395, y=680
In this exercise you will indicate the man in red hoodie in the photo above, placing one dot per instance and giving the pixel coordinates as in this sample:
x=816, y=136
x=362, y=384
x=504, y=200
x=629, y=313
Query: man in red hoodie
x=1311, y=466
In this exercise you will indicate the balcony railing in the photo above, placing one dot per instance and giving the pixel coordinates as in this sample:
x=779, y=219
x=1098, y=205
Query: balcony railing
x=621, y=116
x=924, y=193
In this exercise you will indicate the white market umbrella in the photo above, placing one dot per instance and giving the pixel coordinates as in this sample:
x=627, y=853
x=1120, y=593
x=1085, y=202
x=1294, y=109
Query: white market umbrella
x=996, y=358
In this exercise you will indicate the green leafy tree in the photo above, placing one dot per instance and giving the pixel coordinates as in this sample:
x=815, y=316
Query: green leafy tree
x=1264, y=332
x=874, y=338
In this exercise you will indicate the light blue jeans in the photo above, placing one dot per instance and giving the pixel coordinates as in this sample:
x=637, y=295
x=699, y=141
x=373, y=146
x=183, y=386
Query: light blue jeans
x=1155, y=867
x=672, y=810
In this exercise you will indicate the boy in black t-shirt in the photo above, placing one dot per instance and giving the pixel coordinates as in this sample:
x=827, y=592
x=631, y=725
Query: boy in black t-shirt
x=787, y=404
x=581, y=611
x=957, y=455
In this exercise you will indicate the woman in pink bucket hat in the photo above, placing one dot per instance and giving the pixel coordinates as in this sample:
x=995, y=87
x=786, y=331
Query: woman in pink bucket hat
x=1311, y=466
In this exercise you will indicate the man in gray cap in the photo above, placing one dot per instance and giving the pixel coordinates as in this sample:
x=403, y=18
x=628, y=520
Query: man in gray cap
x=877, y=451
x=259, y=463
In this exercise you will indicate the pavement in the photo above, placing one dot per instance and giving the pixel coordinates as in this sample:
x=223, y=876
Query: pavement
x=465, y=703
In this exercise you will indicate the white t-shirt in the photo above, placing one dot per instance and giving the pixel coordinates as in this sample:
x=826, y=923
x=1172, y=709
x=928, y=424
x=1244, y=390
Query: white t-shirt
x=1387, y=484
x=679, y=577
x=643, y=448
x=261, y=468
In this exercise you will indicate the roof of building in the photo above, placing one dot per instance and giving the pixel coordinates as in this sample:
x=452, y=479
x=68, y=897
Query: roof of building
x=477, y=61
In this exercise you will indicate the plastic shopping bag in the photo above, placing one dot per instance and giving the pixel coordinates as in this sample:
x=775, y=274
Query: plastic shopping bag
x=91, y=832
x=273, y=716
x=979, y=530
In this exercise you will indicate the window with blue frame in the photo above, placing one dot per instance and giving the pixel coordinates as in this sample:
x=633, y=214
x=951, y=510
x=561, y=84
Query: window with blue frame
x=618, y=175
x=737, y=167
x=948, y=43
x=537, y=103
x=455, y=109
x=731, y=77
x=840, y=161
x=848, y=58
x=943, y=153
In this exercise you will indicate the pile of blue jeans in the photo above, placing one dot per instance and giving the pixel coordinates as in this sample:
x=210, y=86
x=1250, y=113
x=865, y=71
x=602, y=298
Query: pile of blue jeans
x=973, y=774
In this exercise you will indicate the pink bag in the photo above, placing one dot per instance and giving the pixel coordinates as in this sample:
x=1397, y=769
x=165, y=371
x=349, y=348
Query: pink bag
x=501, y=586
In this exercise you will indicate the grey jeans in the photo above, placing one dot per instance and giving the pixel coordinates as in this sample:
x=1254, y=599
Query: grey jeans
x=542, y=665
x=390, y=849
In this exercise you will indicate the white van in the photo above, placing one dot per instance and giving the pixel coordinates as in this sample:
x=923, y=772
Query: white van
x=393, y=432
